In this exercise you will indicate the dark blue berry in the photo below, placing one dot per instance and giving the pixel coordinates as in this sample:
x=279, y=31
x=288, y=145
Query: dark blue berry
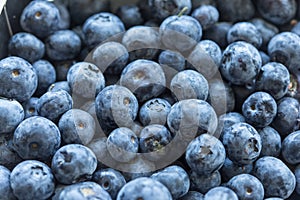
x=192, y=195
x=203, y=183
x=218, y=33
x=130, y=15
x=6, y=190
x=220, y=193
x=60, y=85
x=171, y=59
x=271, y=142
x=290, y=148
x=207, y=15
x=231, y=169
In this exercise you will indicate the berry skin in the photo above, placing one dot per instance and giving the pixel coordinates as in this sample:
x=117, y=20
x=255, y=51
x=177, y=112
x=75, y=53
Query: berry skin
x=32, y=179
x=29, y=107
x=242, y=143
x=144, y=188
x=116, y=106
x=63, y=45
x=60, y=85
x=27, y=46
x=192, y=195
x=207, y=15
x=111, y=180
x=144, y=78
x=84, y=191
x=154, y=111
x=244, y=31
x=220, y=193
x=130, y=15
x=231, y=169
x=36, y=138
x=175, y=179
x=53, y=104
x=290, y=148
x=18, y=77
x=5, y=190
x=218, y=33
x=241, y=63
x=171, y=59
x=122, y=144
x=259, y=109
x=11, y=115
x=203, y=183
x=275, y=176
x=271, y=142
x=297, y=175
x=73, y=163
x=205, y=154
x=246, y=187
x=8, y=156
x=189, y=84
x=77, y=126
x=40, y=18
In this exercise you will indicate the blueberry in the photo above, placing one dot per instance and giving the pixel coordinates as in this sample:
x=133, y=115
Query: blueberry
x=277, y=11
x=189, y=84
x=175, y=179
x=29, y=107
x=40, y=18
x=235, y=10
x=153, y=141
x=144, y=188
x=11, y=115
x=205, y=154
x=242, y=143
x=246, y=187
x=110, y=57
x=27, y=46
x=203, y=183
x=218, y=33
x=171, y=59
x=122, y=144
x=63, y=45
x=207, y=15
x=65, y=20
x=220, y=96
x=192, y=195
x=19, y=79
x=158, y=10
x=297, y=175
x=77, y=126
x=154, y=111
x=212, y=49
x=259, y=109
x=60, y=85
x=296, y=29
x=264, y=57
x=73, y=163
x=85, y=80
x=36, y=138
x=46, y=76
x=220, y=193
x=111, y=180
x=201, y=60
x=185, y=30
x=139, y=48
x=244, y=31
x=241, y=63
x=276, y=177
x=8, y=156
x=130, y=15
x=145, y=78
x=53, y=104
x=267, y=30
x=274, y=198
x=116, y=107
x=100, y=27
x=287, y=118
x=6, y=190
x=84, y=190
x=284, y=48
x=32, y=179
x=190, y=117
x=271, y=142
x=290, y=146
x=62, y=68
x=231, y=169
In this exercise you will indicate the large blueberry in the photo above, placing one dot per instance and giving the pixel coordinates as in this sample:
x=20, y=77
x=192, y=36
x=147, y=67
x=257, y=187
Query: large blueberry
x=116, y=106
x=6, y=191
x=205, y=154
x=32, y=179
x=242, y=143
x=207, y=15
x=27, y=46
x=270, y=141
x=53, y=104
x=276, y=177
x=11, y=115
x=241, y=63
x=111, y=180
x=171, y=59
x=73, y=163
x=144, y=188
x=290, y=148
x=18, y=78
x=175, y=179
x=8, y=156
x=145, y=78
x=220, y=193
x=36, y=138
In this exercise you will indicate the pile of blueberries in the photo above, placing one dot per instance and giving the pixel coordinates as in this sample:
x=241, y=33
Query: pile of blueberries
x=156, y=99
